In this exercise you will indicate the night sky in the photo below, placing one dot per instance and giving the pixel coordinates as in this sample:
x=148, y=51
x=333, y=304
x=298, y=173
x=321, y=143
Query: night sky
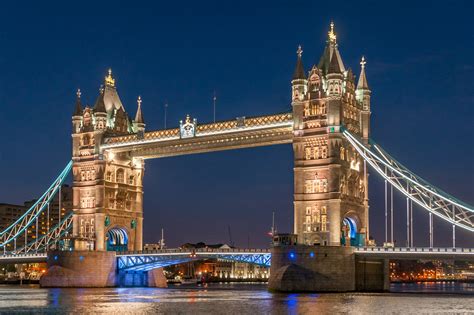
x=419, y=65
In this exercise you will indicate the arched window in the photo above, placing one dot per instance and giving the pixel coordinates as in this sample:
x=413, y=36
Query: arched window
x=324, y=151
x=120, y=177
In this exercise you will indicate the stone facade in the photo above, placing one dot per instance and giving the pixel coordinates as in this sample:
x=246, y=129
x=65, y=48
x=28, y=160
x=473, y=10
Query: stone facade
x=107, y=187
x=330, y=178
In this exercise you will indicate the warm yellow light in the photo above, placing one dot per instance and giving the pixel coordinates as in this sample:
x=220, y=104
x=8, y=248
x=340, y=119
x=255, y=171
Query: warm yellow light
x=110, y=156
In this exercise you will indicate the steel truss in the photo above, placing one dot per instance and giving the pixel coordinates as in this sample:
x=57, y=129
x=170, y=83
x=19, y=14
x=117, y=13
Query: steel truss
x=146, y=262
x=414, y=187
x=29, y=217
x=44, y=243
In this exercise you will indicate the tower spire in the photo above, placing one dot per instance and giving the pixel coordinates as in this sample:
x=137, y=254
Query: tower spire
x=331, y=34
x=139, y=116
x=331, y=50
x=299, y=69
x=362, y=83
x=78, y=107
x=99, y=106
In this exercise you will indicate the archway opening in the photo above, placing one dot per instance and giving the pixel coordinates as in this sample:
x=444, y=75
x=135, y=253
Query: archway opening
x=349, y=232
x=117, y=239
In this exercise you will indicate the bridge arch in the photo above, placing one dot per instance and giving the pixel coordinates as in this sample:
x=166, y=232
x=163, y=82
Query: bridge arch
x=117, y=239
x=350, y=229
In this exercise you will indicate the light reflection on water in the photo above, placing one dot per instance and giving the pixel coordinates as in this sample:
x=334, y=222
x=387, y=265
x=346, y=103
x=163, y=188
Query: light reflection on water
x=236, y=299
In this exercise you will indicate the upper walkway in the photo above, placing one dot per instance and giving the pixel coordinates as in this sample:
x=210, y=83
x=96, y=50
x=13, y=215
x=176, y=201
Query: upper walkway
x=191, y=137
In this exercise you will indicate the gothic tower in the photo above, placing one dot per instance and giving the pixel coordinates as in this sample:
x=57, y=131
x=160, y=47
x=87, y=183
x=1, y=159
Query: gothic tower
x=330, y=180
x=107, y=185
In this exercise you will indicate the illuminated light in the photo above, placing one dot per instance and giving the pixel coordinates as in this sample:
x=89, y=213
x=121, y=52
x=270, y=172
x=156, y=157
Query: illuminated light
x=292, y=255
x=311, y=255
x=81, y=258
x=56, y=257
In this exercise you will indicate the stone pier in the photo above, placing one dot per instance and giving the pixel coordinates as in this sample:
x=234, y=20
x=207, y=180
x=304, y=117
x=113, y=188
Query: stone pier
x=94, y=269
x=304, y=268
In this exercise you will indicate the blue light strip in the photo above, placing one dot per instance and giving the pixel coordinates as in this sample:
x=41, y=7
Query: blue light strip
x=149, y=262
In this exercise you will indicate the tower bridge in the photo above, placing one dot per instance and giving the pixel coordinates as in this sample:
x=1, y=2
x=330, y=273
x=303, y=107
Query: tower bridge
x=328, y=125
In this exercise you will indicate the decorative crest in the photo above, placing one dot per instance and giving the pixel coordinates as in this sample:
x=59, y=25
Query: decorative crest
x=109, y=80
x=362, y=62
x=332, y=34
x=78, y=93
x=188, y=128
x=299, y=52
x=139, y=101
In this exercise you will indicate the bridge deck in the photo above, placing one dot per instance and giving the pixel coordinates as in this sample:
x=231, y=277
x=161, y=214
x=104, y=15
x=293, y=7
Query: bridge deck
x=245, y=253
x=416, y=253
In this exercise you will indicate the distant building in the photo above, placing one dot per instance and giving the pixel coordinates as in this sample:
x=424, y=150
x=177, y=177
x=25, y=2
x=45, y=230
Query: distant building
x=9, y=213
x=201, y=245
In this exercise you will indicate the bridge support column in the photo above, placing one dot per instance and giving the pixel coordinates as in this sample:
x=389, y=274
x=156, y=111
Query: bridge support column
x=69, y=269
x=300, y=268
x=157, y=279
x=372, y=274
x=154, y=278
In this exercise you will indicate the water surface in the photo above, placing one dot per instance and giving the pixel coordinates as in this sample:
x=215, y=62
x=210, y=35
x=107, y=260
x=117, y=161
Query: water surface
x=237, y=299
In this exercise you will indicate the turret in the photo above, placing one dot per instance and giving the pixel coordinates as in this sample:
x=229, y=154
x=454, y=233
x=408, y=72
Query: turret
x=334, y=78
x=298, y=82
x=99, y=111
x=77, y=114
x=363, y=97
x=139, y=123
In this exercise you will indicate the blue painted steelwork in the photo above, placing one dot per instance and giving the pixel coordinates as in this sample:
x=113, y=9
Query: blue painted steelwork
x=43, y=243
x=146, y=262
x=421, y=192
x=29, y=217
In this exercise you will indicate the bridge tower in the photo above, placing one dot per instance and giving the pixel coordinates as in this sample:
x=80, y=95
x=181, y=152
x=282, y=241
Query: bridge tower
x=107, y=186
x=330, y=179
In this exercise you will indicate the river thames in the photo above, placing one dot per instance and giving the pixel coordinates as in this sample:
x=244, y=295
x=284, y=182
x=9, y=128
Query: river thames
x=425, y=298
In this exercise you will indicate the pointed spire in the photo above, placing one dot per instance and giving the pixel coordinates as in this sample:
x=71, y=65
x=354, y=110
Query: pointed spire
x=362, y=84
x=99, y=106
x=330, y=51
x=334, y=65
x=299, y=70
x=78, y=108
x=139, y=116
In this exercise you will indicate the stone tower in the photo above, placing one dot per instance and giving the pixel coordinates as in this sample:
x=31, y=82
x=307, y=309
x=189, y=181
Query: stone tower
x=107, y=185
x=330, y=179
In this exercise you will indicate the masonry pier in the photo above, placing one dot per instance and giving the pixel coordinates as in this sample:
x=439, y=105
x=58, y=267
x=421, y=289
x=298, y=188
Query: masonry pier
x=309, y=268
x=97, y=269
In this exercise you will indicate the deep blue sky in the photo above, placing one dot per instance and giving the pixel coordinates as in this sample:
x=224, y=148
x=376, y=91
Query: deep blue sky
x=419, y=66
